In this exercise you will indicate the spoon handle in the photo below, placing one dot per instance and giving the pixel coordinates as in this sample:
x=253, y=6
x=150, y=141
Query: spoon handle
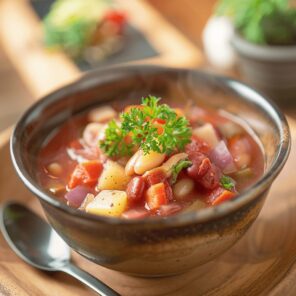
x=89, y=280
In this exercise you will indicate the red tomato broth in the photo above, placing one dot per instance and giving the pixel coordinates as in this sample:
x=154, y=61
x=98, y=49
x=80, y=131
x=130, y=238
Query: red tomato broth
x=69, y=136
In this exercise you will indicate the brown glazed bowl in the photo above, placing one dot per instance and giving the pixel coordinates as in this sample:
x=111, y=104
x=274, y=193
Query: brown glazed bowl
x=152, y=246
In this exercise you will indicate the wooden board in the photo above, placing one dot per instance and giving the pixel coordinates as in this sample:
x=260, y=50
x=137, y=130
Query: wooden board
x=44, y=71
x=262, y=262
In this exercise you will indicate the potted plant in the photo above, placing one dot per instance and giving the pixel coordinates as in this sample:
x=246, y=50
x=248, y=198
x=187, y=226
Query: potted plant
x=265, y=43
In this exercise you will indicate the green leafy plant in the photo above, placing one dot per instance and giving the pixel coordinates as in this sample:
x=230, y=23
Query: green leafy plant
x=271, y=22
x=70, y=24
x=138, y=129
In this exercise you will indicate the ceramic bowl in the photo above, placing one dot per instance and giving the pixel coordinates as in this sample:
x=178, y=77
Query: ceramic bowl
x=152, y=246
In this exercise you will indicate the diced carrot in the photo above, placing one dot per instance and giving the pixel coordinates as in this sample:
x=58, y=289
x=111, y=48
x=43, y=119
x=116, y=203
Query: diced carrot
x=158, y=123
x=156, y=196
x=86, y=173
x=128, y=138
x=220, y=195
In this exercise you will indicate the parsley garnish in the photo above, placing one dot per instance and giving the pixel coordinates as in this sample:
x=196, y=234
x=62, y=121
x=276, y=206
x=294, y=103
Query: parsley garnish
x=177, y=168
x=139, y=125
x=114, y=142
x=227, y=182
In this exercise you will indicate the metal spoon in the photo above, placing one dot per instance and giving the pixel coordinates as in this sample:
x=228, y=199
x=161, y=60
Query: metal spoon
x=38, y=244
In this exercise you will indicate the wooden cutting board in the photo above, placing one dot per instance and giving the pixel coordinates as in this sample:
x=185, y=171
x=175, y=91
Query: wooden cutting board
x=262, y=262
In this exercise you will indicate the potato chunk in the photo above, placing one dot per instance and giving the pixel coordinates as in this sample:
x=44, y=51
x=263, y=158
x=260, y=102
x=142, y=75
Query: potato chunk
x=208, y=134
x=108, y=203
x=113, y=177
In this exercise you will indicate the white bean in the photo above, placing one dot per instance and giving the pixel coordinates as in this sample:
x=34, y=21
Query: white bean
x=55, y=169
x=183, y=188
x=148, y=161
x=130, y=166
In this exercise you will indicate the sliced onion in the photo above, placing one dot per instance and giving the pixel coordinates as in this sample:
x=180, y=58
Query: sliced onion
x=91, y=133
x=135, y=214
x=76, y=196
x=170, y=209
x=221, y=157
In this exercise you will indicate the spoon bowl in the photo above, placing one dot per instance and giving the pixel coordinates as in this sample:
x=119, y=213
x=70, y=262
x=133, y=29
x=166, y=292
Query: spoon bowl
x=23, y=229
x=33, y=240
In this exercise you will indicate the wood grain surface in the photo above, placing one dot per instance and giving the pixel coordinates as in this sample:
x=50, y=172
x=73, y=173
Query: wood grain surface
x=262, y=262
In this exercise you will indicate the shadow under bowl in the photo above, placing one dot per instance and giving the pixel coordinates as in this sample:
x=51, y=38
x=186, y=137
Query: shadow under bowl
x=152, y=246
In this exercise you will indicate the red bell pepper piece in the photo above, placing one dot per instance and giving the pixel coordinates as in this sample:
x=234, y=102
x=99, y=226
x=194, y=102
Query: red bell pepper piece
x=220, y=195
x=86, y=173
x=156, y=196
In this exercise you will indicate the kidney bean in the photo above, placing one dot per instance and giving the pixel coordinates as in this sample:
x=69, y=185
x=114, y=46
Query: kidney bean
x=135, y=189
x=168, y=190
x=155, y=176
x=211, y=179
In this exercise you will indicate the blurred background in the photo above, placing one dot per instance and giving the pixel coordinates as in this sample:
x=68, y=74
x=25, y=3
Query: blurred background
x=45, y=44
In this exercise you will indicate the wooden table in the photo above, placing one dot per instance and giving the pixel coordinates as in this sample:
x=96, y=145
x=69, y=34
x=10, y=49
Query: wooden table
x=262, y=262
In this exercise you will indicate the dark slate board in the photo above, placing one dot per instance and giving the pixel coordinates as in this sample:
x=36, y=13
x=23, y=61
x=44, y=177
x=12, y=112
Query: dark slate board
x=136, y=46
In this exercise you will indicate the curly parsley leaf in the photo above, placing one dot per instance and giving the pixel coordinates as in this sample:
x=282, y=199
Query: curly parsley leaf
x=227, y=183
x=115, y=143
x=140, y=125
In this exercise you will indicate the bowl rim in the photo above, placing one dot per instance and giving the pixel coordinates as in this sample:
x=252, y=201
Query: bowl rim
x=203, y=215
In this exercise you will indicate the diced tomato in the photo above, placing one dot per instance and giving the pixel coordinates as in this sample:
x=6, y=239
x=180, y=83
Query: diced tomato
x=156, y=196
x=220, y=195
x=203, y=171
x=86, y=173
x=155, y=176
x=116, y=17
x=197, y=146
x=204, y=167
x=135, y=189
